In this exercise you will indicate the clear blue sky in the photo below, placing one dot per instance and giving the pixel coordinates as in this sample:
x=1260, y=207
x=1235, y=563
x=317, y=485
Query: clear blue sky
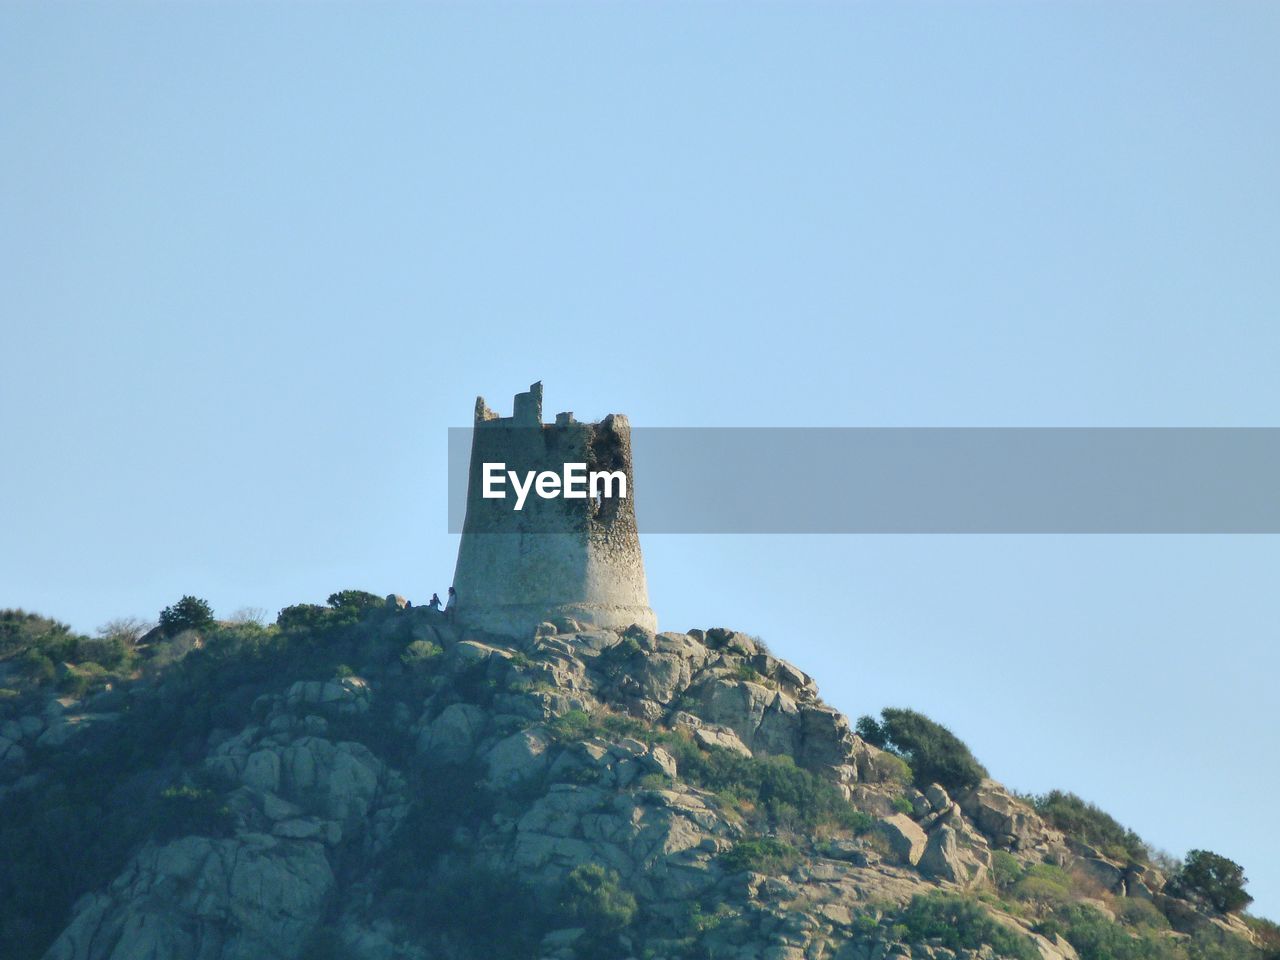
x=254, y=259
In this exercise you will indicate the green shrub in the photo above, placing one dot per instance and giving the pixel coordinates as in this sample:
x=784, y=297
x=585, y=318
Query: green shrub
x=37, y=667
x=619, y=725
x=1208, y=944
x=894, y=769
x=572, y=725
x=592, y=897
x=869, y=729
x=242, y=641
x=902, y=805
x=1213, y=880
x=111, y=652
x=1085, y=822
x=21, y=630
x=626, y=648
x=935, y=754
x=313, y=618
x=1137, y=912
x=580, y=725
x=1045, y=884
x=80, y=679
x=355, y=600
x=189, y=613
x=961, y=923
x=166, y=653
x=781, y=792
x=1096, y=937
x=761, y=855
x=420, y=652
x=1005, y=870
x=700, y=922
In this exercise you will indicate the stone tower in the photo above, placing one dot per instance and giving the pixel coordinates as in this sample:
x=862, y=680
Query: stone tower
x=556, y=557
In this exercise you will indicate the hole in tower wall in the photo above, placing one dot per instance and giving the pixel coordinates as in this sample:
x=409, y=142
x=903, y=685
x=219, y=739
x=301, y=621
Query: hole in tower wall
x=607, y=453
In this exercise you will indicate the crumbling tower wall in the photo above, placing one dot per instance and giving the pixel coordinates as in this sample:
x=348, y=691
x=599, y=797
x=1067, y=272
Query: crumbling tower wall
x=556, y=557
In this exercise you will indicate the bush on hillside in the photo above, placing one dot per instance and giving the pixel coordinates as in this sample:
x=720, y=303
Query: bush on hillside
x=314, y=618
x=20, y=630
x=110, y=652
x=420, y=652
x=1044, y=884
x=771, y=787
x=761, y=855
x=355, y=600
x=869, y=729
x=1083, y=821
x=1098, y=937
x=80, y=679
x=1005, y=870
x=1212, y=879
x=593, y=898
x=961, y=923
x=189, y=613
x=936, y=755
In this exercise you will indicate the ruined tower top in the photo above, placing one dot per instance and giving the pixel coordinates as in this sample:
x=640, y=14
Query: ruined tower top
x=570, y=556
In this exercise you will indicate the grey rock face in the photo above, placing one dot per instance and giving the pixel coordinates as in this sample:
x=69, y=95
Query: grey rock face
x=577, y=749
x=236, y=899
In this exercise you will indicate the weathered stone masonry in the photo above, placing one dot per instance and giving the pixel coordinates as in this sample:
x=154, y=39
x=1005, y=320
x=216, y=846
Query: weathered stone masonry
x=556, y=557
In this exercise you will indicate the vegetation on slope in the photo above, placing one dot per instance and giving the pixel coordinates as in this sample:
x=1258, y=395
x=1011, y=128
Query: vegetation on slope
x=135, y=780
x=934, y=753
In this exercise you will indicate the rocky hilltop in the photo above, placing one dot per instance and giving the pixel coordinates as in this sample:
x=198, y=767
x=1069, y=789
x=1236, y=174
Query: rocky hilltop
x=365, y=780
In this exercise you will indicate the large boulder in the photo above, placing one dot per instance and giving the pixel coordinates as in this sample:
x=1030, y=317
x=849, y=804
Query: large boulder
x=946, y=860
x=341, y=695
x=452, y=736
x=905, y=838
x=711, y=737
x=666, y=670
x=1007, y=821
x=518, y=757
x=825, y=737
x=739, y=705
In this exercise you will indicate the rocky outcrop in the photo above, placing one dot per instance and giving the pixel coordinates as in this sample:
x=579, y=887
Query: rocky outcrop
x=255, y=896
x=1008, y=822
x=544, y=757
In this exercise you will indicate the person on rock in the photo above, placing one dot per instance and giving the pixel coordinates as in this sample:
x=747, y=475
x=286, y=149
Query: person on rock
x=435, y=601
x=450, y=607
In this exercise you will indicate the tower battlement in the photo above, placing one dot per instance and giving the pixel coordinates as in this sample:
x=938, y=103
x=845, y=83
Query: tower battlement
x=560, y=557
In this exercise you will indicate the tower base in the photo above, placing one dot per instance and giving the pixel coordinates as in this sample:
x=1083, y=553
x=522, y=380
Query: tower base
x=521, y=620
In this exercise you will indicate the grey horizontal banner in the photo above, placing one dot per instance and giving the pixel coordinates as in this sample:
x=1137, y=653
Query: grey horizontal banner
x=942, y=480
